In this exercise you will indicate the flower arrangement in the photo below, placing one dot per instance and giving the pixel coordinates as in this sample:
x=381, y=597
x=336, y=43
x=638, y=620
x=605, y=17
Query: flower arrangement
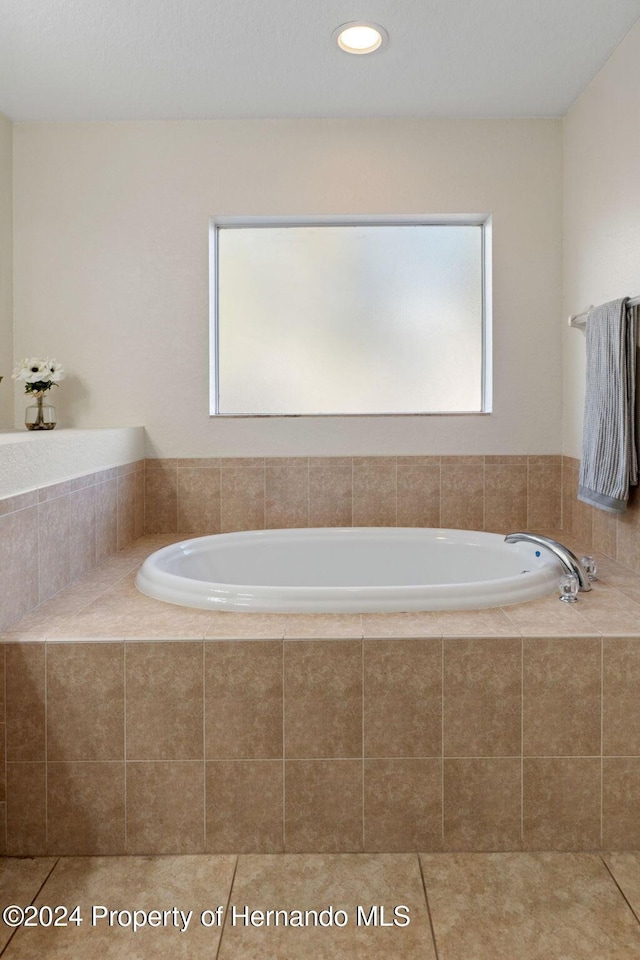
x=38, y=376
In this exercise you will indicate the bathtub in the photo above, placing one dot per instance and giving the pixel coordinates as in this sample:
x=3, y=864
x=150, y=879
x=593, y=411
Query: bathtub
x=348, y=570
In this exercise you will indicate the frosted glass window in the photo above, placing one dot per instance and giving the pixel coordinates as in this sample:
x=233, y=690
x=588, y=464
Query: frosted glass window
x=349, y=319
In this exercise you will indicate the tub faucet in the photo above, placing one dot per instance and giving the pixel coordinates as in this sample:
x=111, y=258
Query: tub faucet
x=568, y=559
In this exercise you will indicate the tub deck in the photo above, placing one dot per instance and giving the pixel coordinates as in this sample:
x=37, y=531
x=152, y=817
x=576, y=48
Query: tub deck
x=105, y=604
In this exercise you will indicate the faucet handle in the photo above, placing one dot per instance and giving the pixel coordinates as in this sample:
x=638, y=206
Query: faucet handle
x=590, y=567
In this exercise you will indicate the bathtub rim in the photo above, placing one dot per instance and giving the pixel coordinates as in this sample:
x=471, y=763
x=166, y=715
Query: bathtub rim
x=251, y=598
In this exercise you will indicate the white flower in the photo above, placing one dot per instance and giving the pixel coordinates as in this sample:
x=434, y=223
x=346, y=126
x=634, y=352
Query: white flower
x=35, y=370
x=56, y=370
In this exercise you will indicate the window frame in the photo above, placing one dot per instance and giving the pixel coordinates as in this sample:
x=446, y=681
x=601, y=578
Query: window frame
x=483, y=220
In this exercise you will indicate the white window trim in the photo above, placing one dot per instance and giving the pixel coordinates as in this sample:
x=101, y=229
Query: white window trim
x=483, y=220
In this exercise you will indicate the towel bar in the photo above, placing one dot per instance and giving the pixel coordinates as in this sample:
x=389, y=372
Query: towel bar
x=579, y=319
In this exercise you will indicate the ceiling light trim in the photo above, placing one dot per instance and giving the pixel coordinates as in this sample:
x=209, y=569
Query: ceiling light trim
x=377, y=37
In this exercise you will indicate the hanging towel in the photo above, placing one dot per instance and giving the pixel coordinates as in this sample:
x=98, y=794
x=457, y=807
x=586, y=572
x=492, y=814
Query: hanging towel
x=609, y=458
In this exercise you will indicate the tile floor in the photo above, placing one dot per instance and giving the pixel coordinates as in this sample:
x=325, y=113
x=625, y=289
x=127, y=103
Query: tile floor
x=519, y=906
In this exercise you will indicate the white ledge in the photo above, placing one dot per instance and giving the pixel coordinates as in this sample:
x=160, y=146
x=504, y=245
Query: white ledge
x=33, y=459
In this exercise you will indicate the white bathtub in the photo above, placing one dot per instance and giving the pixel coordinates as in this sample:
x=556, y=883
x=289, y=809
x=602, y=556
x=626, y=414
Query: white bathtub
x=348, y=570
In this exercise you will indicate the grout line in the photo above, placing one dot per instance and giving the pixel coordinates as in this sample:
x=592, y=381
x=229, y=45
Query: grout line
x=284, y=754
x=601, y=740
x=204, y=747
x=226, y=911
x=46, y=753
x=124, y=737
x=441, y=741
x=622, y=893
x=33, y=900
x=426, y=900
x=522, y=741
x=363, y=769
x=4, y=718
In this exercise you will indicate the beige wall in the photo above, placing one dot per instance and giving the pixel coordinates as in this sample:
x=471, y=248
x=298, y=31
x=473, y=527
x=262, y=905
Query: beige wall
x=601, y=209
x=6, y=270
x=111, y=262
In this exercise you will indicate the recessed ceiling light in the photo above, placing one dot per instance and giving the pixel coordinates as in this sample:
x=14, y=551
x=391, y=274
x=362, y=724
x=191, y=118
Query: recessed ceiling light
x=360, y=37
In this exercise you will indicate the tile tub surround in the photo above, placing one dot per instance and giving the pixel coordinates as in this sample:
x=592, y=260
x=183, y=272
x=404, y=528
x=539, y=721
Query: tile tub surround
x=495, y=493
x=137, y=727
x=51, y=536
x=616, y=536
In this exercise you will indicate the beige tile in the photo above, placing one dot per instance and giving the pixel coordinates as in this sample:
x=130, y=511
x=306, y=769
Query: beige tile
x=482, y=697
x=242, y=498
x=286, y=495
x=26, y=809
x=19, y=502
x=505, y=498
x=199, y=501
x=374, y=492
x=323, y=806
x=330, y=492
x=202, y=483
x=124, y=883
x=198, y=518
x=54, y=545
x=19, y=567
x=544, y=492
x=85, y=701
x=3, y=771
x=346, y=882
x=325, y=625
x=561, y=697
x=402, y=805
x=416, y=624
x=244, y=706
x=550, y=618
x=482, y=806
x=621, y=705
x=492, y=621
x=127, y=510
x=628, y=539
x=85, y=808
x=124, y=612
x=561, y=803
x=604, y=532
x=323, y=698
x=611, y=612
x=418, y=495
x=625, y=868
x=620, y=803
x=244, y=811
x=106, y=519
x=20, y=881
x=240, y=463
x=82, y=532
x=202, y=463
x=403, y=698
x=164, y=683
x=25, y=697
x=462, y=505
x=519, y=906
x=246, y=626
x=165, y=807
x=139, y=497
x=568, y=496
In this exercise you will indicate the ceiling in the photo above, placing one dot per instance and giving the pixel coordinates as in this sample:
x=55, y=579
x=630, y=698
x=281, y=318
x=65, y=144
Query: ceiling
x=197, y=59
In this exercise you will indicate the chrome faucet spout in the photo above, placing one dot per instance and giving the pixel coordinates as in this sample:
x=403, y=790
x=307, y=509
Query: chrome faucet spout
x=568, y=559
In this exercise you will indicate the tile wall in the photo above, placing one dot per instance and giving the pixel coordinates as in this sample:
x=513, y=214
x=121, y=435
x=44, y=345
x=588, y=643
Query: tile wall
x=615, y=535
x=497, y=493
x=494, y=743
x=52, y=536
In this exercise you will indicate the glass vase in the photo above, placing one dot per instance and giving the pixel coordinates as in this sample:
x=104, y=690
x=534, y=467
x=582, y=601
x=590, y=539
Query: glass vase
x=40, y=415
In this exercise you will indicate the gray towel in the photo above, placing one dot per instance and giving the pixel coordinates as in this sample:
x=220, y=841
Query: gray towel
x=609, y=459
